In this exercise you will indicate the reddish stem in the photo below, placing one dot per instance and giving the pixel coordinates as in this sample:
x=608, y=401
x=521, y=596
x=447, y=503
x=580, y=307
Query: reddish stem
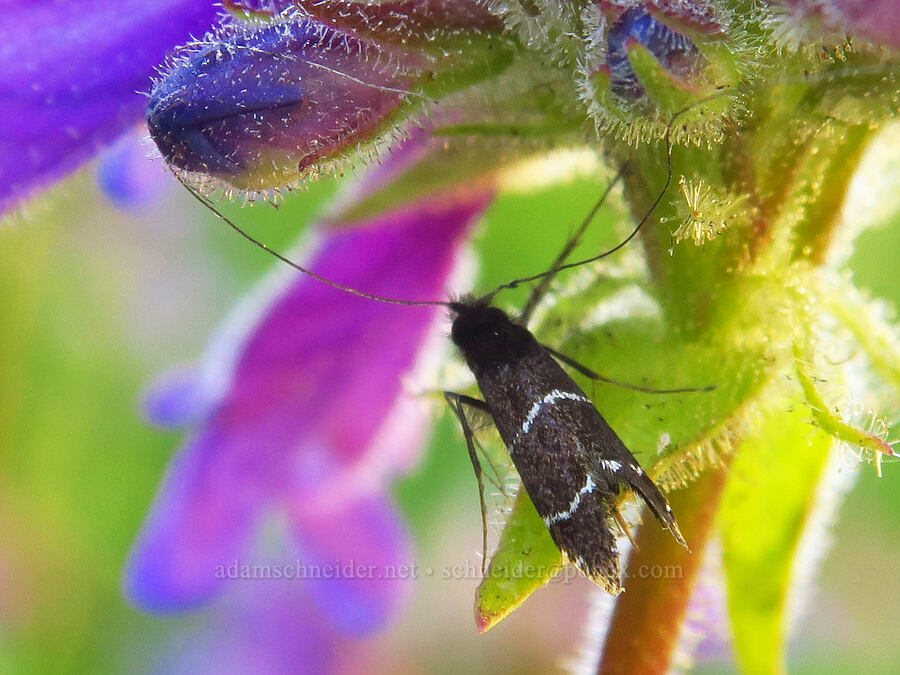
x=649, y=615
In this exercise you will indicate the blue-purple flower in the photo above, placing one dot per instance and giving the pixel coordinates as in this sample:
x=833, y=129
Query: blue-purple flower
x=299, y=360
x=636, y=26
x=129, y=178
x=261, y=627
x=71, y=73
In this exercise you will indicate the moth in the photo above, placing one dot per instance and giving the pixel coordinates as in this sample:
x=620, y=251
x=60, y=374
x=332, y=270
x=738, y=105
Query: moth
x=570, y=461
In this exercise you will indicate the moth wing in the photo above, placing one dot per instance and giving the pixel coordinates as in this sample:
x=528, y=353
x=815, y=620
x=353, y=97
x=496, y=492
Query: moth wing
x=557, y=472
x=615, y=464
x=588, y=542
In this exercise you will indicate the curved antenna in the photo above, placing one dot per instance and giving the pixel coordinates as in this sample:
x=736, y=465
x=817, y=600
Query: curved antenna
x=515, y=283
x=259, y=244
x=548, y=274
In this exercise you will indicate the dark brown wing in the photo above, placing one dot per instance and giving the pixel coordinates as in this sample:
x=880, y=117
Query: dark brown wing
x=571, y=462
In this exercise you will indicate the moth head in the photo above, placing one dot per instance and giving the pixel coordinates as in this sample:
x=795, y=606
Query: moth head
x=486, y=334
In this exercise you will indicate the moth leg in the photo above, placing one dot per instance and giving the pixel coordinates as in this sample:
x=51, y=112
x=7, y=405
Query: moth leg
x=587, y=372
x=494, y=476
x=621, y=521
x=456, y=402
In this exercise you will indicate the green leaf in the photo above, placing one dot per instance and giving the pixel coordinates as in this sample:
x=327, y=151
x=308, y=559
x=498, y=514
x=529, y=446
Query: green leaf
x=671, y=435
x=767, y=505
x=525, y=560
x=832, y=423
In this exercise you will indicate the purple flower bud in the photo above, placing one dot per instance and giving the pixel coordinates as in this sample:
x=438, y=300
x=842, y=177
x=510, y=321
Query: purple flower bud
x=259, y=106
x=646, y=61
x=675, y=52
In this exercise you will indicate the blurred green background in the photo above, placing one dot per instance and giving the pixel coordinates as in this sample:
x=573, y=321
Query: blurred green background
x=95, y=301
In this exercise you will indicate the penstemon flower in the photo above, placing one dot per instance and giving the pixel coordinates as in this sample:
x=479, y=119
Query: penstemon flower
x=760, y=112
x=71, y=78
x=273, y=398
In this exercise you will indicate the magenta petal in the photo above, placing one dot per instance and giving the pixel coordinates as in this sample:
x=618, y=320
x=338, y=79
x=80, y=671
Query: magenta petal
x=313, y=391
x=367, y=547
x=199, y=524
x=69, y=76
x=321, y=371
x=875, y=20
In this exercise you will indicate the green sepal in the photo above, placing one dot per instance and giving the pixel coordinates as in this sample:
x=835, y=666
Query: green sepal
x=667, y=92
x=831, y=423
x=525, y=560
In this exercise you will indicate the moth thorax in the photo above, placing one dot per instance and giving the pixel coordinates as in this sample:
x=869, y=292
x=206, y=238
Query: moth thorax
x=486, y=335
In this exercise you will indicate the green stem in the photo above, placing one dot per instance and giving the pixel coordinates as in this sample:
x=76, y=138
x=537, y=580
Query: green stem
x=837, y=160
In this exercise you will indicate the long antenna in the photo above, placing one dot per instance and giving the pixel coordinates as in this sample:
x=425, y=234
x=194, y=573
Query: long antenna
x=547, y=275
x=538, y=291
x=259, y=244
x=515, y=283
